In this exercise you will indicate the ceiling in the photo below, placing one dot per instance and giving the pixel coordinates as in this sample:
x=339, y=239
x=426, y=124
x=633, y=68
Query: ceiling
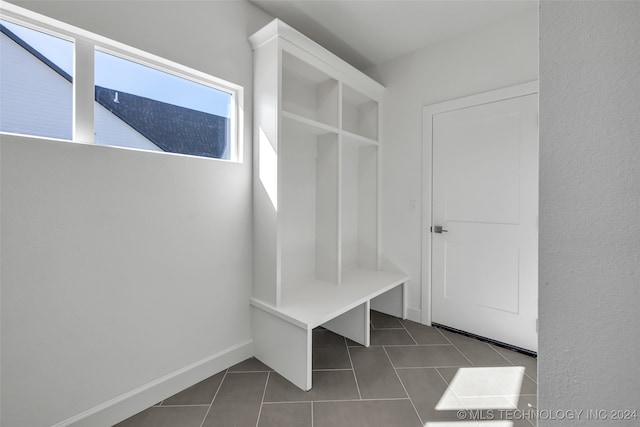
x=370, y=32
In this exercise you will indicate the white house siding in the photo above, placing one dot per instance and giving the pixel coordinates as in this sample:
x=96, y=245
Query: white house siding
x=110, y=130
x=33, y=98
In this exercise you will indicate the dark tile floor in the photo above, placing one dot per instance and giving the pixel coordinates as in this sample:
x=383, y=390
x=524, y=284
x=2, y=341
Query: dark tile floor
x=412, y=375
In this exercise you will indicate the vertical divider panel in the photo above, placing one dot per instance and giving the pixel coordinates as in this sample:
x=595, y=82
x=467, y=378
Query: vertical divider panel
x=392, y=302
x=266, y=280
x=354, y=324
x=297, y=212
x=367, y=207
x=327, y=237
x=349, y=204
x=359, y=113
x=340, y=182
x=327, y=102
x=368, y=119
x=379, y=179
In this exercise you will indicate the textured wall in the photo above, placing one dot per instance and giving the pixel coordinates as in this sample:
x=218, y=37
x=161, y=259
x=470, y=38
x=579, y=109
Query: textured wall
x=590, y=207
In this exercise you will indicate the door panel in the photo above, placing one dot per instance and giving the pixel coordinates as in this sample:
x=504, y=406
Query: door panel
x=485, y=194
x=482, y=184
x=493, y=270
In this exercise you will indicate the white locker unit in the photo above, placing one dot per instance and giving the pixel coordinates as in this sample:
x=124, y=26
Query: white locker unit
x=316, y=256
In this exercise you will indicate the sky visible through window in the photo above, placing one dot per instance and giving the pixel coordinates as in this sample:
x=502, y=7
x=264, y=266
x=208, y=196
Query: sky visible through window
x=57, y=50
x=123, y=75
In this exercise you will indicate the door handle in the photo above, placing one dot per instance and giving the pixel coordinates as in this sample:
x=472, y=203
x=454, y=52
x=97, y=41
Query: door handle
x=438, y=229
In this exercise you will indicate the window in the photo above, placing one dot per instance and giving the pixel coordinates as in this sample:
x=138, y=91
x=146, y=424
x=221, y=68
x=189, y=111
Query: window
x=36, y=74
x=120, y=96
x=142, y=107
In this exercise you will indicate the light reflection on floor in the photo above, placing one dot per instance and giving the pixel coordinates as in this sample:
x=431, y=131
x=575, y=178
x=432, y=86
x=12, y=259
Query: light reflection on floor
x=483, y=388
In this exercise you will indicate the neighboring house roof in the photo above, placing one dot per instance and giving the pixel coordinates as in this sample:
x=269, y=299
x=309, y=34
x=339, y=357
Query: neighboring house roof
x=172, y=128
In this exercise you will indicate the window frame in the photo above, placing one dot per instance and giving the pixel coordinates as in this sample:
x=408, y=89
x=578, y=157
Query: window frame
x=86, y=44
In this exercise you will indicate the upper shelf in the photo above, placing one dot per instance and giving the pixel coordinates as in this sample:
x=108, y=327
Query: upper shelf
x=313, y=97
x=359, y=113
x=308, y=92
x=313, y=126
x=341, y=70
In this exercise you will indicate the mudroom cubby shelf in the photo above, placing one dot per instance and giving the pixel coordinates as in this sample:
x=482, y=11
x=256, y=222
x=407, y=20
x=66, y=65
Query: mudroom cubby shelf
x=308, y=92
x=316, y=221
x=359, y=113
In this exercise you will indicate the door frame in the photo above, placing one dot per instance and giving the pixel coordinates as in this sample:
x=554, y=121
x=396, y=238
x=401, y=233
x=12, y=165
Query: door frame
x=428, y=112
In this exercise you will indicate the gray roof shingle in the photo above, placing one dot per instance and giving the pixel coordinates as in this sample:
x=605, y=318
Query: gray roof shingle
x=172, y=128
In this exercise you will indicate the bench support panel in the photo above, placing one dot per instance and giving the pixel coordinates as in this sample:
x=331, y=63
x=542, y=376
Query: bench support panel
x=354, y=324
x=392, y=302
x=284, y=347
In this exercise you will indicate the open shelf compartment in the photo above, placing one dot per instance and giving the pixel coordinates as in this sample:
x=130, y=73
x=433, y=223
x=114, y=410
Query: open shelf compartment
x=308, y=204
x=308, y=91
x=359, y=113
x=359, y=207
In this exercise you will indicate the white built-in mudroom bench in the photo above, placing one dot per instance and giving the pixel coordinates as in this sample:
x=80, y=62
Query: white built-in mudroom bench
x=316, y=184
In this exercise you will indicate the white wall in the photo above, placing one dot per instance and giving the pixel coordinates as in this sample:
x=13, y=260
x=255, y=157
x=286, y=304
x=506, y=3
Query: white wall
x=501, y=55
x=590, y=208
x=119, y=267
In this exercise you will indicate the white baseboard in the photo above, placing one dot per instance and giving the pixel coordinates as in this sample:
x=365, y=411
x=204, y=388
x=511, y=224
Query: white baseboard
x=122, y=407
x=414, y=314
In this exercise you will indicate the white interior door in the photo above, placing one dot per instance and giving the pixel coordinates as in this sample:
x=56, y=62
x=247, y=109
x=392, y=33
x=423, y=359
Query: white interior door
x=484, y=263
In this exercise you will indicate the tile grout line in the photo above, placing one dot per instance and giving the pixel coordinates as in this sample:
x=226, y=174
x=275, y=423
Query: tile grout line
x=408, y=332
x=394, y=345
x=293, y=402
x=439, y=366
x=402, y=345
x=474, y=396
x=501, y=355
x=193, y=405
x=535, y=380
x=353, y=370
x=458, y=350
x=403, y=387
x=330, y=369
x=442, y=376
x=206, y=414
x=264, y=392
x=441, y=334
